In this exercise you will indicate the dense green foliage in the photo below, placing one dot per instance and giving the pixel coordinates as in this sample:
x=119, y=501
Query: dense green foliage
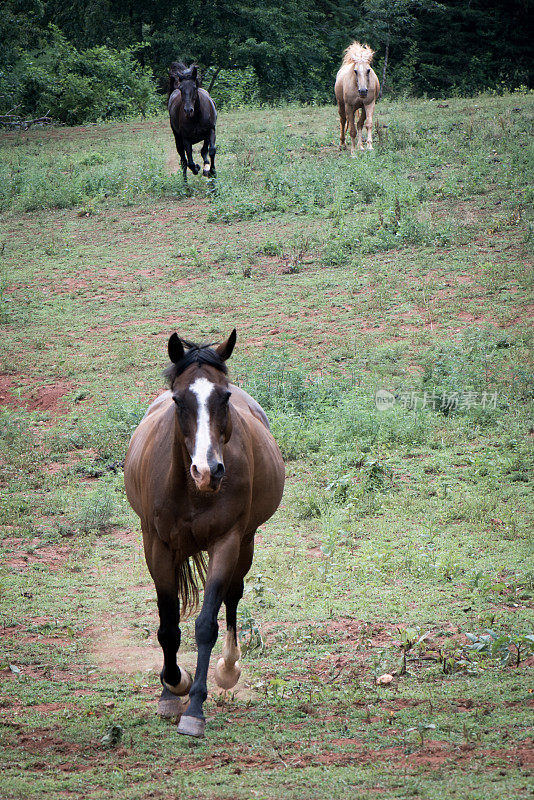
x=76, y=86
x=91, y=61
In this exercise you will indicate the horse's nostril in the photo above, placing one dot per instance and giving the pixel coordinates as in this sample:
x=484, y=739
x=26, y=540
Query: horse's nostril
x=218, y=472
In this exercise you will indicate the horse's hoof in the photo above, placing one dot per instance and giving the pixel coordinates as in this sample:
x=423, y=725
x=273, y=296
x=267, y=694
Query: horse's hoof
x=195, y=169
x=227, y=677
x=169, y=705
x=192, y=726
x=206, y=170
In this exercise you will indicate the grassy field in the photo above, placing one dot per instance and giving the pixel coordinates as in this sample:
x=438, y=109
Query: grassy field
x=403, y=543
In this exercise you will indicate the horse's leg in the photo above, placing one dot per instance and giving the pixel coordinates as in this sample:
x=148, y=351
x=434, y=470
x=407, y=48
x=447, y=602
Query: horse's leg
x=342, y=125
x=361, y=120
x=181, y=152
x=223, y=559
x=188, y=145
x=205, y=159
x=350, y=114
x=228, y=670
x=369, y=125
x=176, y=682
x=212, y=151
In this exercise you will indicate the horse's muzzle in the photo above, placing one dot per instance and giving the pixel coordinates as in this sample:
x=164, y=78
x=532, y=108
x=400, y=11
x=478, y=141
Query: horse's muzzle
x=208, y=480
x=362, y=92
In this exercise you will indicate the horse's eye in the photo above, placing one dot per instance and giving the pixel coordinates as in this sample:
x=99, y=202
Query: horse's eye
x=368, y=71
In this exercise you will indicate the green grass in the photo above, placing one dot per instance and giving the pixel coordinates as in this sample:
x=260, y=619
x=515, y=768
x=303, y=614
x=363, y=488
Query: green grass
x=404, y=534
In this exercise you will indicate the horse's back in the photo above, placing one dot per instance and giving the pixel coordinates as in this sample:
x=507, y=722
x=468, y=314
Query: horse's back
x=239, y=398
x=174, y=101
x=244, y=401
x=267, y=467
x=207, y=102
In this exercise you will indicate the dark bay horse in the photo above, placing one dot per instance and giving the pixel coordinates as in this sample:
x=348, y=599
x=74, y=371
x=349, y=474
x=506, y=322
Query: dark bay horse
x=202, y=472
x=193, y=116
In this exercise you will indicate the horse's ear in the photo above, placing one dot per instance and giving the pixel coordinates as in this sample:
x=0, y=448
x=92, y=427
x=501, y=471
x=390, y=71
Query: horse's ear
x=225, y=349
x=194, y=73
x=175, y=348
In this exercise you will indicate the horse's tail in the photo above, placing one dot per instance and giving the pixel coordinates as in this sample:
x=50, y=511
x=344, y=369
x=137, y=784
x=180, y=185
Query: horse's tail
x=190, y=573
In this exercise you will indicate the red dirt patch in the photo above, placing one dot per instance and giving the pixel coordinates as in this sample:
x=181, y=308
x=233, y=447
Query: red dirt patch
x=432, y=756
x=28, y=552
x=48, y=397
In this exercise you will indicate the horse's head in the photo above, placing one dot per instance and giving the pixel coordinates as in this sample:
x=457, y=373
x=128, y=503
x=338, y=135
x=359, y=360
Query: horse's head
x=359, y=56
x=362, y=71
x=187, y=79
x=200, y=392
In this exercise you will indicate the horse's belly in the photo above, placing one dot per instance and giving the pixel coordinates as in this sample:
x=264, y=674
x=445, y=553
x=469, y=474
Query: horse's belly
x=268, y=482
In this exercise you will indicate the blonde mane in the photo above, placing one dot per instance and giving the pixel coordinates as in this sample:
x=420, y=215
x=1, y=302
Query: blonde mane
x=357, y=52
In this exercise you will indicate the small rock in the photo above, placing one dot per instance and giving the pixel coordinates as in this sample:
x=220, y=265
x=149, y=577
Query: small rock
x=385, y=679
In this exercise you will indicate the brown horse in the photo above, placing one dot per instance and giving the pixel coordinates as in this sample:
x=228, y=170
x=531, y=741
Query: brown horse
x=202, y=472
x=357, y=88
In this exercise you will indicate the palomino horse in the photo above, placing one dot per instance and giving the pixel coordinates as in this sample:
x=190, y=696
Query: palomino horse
x=357, y=87
x=202, y=472
x=192, y=116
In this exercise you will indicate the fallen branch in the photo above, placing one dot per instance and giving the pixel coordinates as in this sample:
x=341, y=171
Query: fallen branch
x=16, y=121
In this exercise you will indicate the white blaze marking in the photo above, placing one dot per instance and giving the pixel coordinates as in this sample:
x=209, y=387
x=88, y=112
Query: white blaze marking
x=202, y=388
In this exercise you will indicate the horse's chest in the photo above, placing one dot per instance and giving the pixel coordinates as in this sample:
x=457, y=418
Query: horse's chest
x=199, y=134
x=196, y=131
x=196, y=526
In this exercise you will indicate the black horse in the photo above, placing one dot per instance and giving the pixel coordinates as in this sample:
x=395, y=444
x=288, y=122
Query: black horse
x=193, y=116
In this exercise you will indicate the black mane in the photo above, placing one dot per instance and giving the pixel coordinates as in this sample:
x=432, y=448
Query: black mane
x=178, y=70
x=198, y=354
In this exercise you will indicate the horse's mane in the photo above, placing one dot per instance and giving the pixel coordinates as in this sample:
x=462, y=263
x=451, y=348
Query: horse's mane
x=358, y=52
x=179, y=68
x=196, y=354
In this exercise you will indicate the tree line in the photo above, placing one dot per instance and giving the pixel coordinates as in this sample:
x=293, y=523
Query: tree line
x=96, y=59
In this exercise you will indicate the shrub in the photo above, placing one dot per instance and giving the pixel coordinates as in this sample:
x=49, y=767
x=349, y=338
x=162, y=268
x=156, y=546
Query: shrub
x=96, y=511
x=78, y=86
